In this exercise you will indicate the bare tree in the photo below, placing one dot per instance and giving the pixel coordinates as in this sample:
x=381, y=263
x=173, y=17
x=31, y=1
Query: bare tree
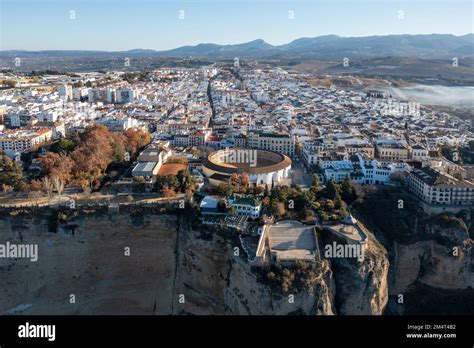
x=58, y=185
x=47, y=186
x=7, y=188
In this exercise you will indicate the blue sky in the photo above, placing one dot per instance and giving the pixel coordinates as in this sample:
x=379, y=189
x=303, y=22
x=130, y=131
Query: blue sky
x=127, y=24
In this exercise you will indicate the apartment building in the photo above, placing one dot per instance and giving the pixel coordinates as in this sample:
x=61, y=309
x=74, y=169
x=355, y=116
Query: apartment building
x=125, y=95
x=25, y=139
x=278, y=142
x=419, y=153
x=393, y=150
x=434, y=187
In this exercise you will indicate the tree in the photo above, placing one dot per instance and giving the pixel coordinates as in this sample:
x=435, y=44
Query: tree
x=135, y=140
x=36, y=185
x=348, y=193
x=86, y=159
x=47, y=186
x=7, y=188
x=11, y=173
x=279, y=193
x=280, y=211
x=234, y=179
x=266, y=201
x=57, y=165
x=338, y=201
x=315, y=182
x=266, y=193
x=185, y=180
x=225, y=189
x=58, y=185
x=138, y=179
x=331, y=189
x=271, y=276
x=35, y=195
x=324, y=216
x=221, y=206
x=117, y=142
x=330, y=204
x=168, y=192
x=245, y=179
x=63, y=146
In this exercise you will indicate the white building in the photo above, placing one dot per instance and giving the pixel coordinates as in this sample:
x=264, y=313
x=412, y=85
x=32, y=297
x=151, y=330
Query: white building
x=281, y=143
x=248, y=206
x=65, y=92
x=125, y=95
x=24, y=140
x=434, y=187
x=50, y=116
x=78, y=93
x=394, y=150
x=119, y=124
x=362, y=169
x=419, y=153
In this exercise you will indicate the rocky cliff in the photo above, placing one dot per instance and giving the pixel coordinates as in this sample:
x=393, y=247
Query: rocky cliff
x=441, y=260
x=151, y=261
x=431, y=269
x=362, y=286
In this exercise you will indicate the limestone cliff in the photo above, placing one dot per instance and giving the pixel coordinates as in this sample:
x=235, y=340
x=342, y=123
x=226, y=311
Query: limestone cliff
x=431, y=269
x=217, y=281
x=361, y=286
x=150, y=261
x=442, y=259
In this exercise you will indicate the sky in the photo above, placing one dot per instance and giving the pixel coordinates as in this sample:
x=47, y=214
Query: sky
x=116, y=25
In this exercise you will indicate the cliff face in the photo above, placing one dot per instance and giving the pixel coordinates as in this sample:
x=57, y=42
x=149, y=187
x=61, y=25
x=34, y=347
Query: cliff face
x=91, y=264
x=361, y=286
x=151, y=262
x=217, y=281
x=443, y=261
x=430, y=255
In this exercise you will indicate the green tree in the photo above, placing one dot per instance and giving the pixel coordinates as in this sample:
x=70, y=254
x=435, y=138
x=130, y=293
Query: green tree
x=225, y=189
x=266, y=193
x=63, y=146
x=315, y=182
x=11, y=173
x=348, y=192
x=221, y=206
x=332, y=188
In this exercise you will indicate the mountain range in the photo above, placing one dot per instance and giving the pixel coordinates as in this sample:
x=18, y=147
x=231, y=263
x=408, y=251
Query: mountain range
x=321, y=47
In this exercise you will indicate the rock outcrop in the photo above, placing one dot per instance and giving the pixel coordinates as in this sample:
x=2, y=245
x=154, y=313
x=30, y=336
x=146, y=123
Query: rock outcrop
x=361, y=285
x=442, y=259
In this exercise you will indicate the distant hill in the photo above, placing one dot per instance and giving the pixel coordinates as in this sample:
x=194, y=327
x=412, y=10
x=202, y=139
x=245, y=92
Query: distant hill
x=321, y=47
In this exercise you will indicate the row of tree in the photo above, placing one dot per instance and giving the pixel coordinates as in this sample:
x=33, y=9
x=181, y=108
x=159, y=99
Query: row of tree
x=85, y=160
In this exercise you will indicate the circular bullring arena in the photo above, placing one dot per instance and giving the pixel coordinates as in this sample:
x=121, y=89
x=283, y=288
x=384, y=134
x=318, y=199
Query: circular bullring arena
x=262, y=166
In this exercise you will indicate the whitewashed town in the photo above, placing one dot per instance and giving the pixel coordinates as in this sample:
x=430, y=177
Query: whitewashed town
x=335, y=134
